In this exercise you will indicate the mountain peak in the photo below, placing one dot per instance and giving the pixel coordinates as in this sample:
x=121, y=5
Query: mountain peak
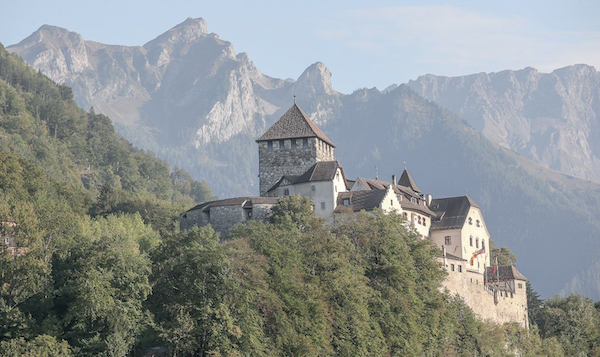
x=188, y=31
x=316, y=79
x=52, y=35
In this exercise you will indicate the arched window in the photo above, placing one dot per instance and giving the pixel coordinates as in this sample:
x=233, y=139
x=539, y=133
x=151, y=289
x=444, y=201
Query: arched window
x=470, y=220
x=471, y=241
x=477, y=223
x=477, y=243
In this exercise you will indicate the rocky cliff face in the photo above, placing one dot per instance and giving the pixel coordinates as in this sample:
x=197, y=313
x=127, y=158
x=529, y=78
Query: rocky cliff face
x=191, y=99
x=186, y=95
x=553, y=119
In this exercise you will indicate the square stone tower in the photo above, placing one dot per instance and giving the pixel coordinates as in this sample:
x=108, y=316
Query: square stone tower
x=290, y=147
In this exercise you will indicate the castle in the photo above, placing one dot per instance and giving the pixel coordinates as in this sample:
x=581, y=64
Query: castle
x=295, y=157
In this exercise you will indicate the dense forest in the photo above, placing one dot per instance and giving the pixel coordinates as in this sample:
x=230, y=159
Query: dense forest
x=100, y=268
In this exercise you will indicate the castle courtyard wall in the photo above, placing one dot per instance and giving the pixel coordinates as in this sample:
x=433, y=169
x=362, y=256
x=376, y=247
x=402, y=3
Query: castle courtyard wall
x=469, y=285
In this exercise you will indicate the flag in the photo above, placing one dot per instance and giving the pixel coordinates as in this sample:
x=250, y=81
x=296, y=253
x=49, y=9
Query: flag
x=473, y=256
x=481, y=251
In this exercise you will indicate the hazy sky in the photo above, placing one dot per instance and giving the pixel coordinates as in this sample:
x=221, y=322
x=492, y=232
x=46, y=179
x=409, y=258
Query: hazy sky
x=363, y=45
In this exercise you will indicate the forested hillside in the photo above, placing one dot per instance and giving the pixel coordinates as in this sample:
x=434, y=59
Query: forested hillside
x=101, y=269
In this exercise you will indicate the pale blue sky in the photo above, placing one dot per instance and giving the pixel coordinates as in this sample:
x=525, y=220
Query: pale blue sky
x=363, y=45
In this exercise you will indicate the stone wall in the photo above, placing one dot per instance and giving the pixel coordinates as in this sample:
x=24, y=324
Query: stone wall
x=224, y=218
x=193, y=218
x=504, y=307
x=274, y=163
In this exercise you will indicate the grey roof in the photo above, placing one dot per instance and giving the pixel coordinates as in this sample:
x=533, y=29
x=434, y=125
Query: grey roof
x=292, y=125
x=246, y=202
x=454, y=257
x=359, y=200
x=321, y=171
x=451, y=212
x=505, y=272
x=371, y=184
x=406, y=180
x=405, y=204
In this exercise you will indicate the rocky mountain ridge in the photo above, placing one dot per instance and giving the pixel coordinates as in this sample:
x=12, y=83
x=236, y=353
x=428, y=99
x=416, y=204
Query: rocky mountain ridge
x=197, y=104
x=550, y=118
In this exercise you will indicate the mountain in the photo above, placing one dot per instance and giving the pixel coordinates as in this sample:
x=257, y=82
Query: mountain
x=200, y=106
x=183, y=95
x=550, y=118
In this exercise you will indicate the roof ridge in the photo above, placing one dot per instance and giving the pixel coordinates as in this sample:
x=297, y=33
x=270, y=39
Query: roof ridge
x=294, y=123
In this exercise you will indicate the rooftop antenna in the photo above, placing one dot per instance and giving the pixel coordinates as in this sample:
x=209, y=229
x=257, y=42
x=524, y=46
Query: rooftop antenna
x=376, y=173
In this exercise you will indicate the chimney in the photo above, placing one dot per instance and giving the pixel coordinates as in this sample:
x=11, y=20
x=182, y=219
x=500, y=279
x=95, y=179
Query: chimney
x=394, y=180
x=428, y=199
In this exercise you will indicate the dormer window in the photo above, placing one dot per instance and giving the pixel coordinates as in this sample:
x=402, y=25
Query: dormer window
x=346, y=202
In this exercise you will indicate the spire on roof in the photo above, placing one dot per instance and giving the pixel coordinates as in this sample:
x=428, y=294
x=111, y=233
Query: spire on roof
x=407, y=181
x=294, y=124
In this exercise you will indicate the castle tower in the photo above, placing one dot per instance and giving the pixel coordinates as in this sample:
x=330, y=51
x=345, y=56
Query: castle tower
x=290, y=147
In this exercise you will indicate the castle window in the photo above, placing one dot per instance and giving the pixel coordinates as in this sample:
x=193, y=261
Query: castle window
x=471, y=241
x=477, y=223
x=322, y=205
x=312, y=188
x=286, y=192
x=470, y=221
x=346, y=202
x=249, y=213
x=304, y=143
x=269, y=145
x=482, y=243
x=448, y=240
x=452, y=267
x=477, y=243
x=520, y=285
x=391, y=202
x=281, y=145
x=293, y=144
x=424, y=222
x=460, y=268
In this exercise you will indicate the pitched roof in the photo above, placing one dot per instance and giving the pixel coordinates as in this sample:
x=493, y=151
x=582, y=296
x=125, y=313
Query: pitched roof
x=505, y=272
x=359, y=200
x=451, y=212
x=372, y=184
x=246, y=202
x=406, y=180
x=321, y=171
x=292, y=125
